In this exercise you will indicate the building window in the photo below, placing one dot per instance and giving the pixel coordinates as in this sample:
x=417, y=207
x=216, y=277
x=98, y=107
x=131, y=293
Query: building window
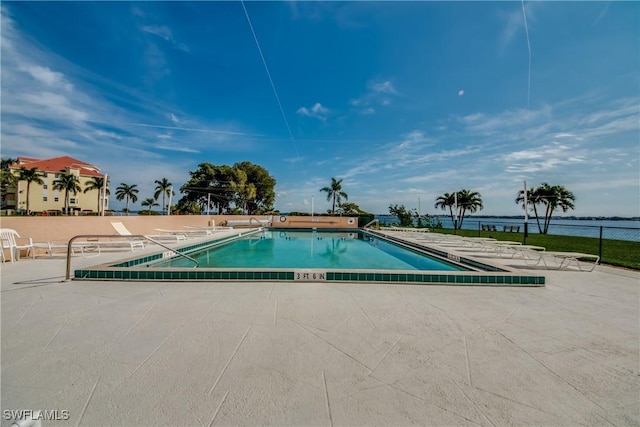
x=44, y=198
x=72, y=201
x=44, y=186
x=55, y=199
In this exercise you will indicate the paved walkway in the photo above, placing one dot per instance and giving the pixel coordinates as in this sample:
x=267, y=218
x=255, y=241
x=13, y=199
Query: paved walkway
x=149, y=354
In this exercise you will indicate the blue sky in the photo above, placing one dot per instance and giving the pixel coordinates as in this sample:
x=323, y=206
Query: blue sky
x=404, y=101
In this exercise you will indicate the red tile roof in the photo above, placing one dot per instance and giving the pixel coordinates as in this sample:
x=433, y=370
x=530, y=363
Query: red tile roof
x=57, y=164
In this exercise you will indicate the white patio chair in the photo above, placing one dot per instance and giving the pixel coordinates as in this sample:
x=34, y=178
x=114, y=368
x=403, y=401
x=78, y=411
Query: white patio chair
x=10, y=240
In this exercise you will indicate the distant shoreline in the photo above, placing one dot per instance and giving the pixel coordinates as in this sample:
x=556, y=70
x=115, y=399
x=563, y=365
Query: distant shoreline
x=573, y=218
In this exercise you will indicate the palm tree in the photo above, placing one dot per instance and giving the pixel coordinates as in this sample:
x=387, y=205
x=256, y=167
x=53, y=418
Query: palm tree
x=97, y=183
x=551, y=197
x=7, y=178
x=533, y=199
x=554, y=197
x=468, y=201
x=334, y=191
x=165, y=188
x=69, y=183
x=150, y=202
x=126, y=191
x=30, y=175
x=446, y=201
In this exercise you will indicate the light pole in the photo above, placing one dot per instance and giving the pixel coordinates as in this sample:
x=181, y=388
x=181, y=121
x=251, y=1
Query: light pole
x=526, y=213
x=104, y=194
x=455, y=211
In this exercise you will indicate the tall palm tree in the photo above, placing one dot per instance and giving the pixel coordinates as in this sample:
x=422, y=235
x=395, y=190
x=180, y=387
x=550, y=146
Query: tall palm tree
x=446, y=201
x=468, y=201
x=165, y=188
x=129, y=192
x=97, y=183
x=554, y=197
x=69, y=183
x=533, y=199
x=30, y=175
x=150, y=202
x=334, y=191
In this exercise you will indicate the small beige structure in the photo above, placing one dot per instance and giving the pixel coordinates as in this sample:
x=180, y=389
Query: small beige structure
x=43, y=198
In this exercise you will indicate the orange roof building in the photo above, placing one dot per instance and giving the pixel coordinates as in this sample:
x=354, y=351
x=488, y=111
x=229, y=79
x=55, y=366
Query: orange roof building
x=42, y=198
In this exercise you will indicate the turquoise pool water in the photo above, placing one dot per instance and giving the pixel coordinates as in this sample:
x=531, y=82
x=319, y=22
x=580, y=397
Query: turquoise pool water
x=311, y=249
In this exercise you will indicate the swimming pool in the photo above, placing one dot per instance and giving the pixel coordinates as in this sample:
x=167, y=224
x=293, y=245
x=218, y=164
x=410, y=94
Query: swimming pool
x=330, y=249
x=311, y=249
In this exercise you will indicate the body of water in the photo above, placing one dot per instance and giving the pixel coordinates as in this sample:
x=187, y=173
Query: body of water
x=312, y=249
x=618, y=230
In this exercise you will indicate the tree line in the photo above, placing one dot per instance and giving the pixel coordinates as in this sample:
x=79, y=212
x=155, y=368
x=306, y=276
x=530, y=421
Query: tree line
x=242, y=188
x=247, y=188
x=541, y=203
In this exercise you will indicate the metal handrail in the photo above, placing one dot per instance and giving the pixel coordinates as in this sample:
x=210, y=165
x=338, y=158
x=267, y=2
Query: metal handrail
x=260, y=223
x=137, y=236
x=372, y=222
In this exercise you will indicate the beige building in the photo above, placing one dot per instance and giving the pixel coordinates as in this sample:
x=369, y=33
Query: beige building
x=43, y=198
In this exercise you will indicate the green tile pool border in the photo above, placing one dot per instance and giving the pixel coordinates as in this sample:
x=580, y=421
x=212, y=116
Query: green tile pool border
x=343, y=276
x=133, y=270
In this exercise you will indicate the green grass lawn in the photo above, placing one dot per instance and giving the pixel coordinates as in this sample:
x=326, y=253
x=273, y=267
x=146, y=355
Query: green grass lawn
x=621, y=253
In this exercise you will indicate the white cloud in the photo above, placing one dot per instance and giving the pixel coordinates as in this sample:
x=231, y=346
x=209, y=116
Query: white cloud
x=107, y=134
x=293, y=159
x=543, y=158
x=378, y=94
x=177, y=148
x=317, y=111
x=166, y=34
x=48, y=77
x=382, y=87
x=59, y=106
x=158, y=30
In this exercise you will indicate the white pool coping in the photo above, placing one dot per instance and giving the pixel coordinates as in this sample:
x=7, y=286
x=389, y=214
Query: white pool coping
x=180, y=353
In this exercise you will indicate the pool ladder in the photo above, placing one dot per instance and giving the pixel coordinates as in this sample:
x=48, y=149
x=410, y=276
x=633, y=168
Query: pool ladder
x=375, y=221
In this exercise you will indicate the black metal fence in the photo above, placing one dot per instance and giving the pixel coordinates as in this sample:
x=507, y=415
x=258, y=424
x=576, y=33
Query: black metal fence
x=615, y=245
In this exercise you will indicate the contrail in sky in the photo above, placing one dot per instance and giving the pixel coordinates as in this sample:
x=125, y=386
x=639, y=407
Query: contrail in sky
x=526, y=30
x=275, y=92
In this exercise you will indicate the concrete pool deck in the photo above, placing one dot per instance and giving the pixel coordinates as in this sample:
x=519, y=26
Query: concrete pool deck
x=273, y=353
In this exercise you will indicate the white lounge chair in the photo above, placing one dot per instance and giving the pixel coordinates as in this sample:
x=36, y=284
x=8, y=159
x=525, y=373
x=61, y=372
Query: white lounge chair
x=251, y=222
x=182, y=234
x=123, y=231
x=562, y=260
x=88, y=249
x=10, y=239
x=212, y=227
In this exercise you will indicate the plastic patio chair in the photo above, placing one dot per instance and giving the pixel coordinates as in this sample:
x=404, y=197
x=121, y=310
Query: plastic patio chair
x=10, y=240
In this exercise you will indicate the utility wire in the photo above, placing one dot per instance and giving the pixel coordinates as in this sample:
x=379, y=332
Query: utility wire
x=275, y=92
